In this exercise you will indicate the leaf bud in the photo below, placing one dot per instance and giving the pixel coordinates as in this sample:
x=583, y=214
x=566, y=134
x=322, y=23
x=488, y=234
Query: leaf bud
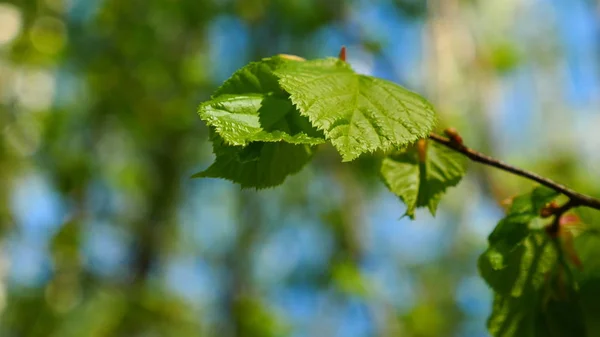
x=453, y=135
x=342, y=55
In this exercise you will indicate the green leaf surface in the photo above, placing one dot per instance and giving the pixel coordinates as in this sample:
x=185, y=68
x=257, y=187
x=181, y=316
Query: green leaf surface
x=529, y=205
x=529, y=293
x=423, y=184
x=533, y=297
x=357, y=113
x=258, y=165
x=241, y=119
x=511, y=248
x=259, y=137
x=510, y=271
x=587, y=246
x=251, y=106
x=523, y=212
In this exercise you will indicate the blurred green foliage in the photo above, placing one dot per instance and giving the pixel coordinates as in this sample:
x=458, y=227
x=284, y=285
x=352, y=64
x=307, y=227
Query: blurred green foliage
x=99, y=134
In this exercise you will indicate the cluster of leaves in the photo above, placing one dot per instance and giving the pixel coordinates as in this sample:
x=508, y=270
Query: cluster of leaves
x=539, y=285
x=522, y=266
x=269, y=118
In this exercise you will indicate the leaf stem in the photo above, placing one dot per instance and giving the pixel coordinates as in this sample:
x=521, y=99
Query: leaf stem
x=576, y=198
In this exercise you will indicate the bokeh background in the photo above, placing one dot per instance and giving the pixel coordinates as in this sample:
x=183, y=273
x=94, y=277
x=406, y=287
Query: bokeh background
x=103, y=233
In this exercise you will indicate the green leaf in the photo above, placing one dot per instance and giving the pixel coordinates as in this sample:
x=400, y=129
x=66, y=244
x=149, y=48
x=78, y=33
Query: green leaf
x=533, y=297
x=522, y=213
x=530, y=204
x=357, y=113
x=540, y=197
x=587, y=246
x=259, y=137
x=552, y=309
x=251, y=106
x=258, y=165
x=241, y=119
x=423, y=184
x=502, y=263
x=510, y=231
x=512, y=271
x=519, y=282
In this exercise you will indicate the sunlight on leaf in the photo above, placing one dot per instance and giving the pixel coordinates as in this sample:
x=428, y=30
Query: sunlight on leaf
x=259, y=137
x=357, y=113
x=241, y=119
x=423, y=184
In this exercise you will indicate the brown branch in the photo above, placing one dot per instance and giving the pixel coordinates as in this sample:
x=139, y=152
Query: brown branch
x=576, y=198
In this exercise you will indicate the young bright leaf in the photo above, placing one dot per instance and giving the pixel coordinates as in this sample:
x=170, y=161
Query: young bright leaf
x=241, y=119
x=402, y=175
x=251, y=106
x=357, y=113
x=258, y=165
x=423, y=184
x=259, y=137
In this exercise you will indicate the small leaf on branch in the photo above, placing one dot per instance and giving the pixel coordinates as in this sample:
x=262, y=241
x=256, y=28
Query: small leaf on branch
x=531, y=291
x=522, y=267
x=507, y=239
x=422, y=183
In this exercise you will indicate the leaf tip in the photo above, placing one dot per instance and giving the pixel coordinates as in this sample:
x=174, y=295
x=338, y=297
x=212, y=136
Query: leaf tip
x=410, y=215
